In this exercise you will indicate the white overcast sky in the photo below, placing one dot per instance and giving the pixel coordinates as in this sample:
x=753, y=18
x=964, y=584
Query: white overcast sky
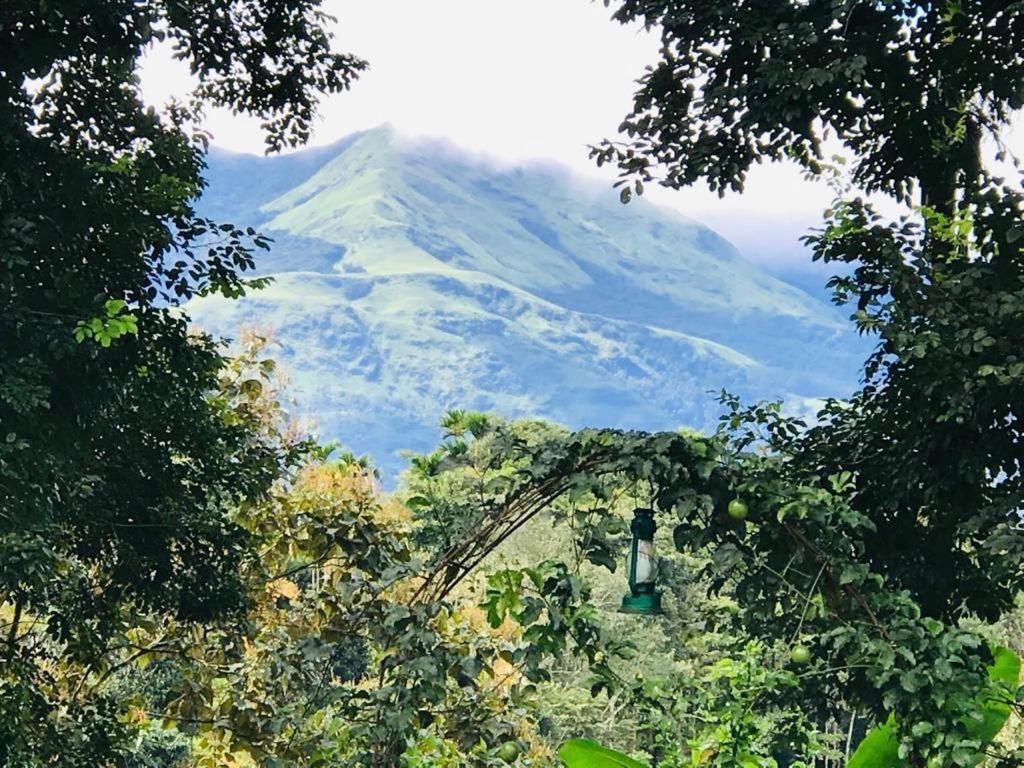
x=518, y=80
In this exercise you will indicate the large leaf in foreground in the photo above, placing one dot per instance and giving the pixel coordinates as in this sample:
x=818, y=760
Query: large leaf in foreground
x=880, y=748
x=584, y=753
x=1005, y=670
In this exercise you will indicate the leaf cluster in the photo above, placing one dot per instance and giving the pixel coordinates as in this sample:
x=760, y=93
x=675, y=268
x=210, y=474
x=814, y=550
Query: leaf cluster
x=120, y=460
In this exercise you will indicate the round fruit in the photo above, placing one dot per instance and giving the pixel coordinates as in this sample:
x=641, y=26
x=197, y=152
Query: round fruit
x=800, y=654
x=509, y=752
x=738, y=509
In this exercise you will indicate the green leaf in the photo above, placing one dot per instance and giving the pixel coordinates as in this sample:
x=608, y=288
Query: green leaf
x=603, y=559
x=1005, y=670
x=584, y=753
x=880, y=748
x=114, y=306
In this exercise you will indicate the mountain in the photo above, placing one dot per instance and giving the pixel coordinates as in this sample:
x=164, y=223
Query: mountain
x=411, y=278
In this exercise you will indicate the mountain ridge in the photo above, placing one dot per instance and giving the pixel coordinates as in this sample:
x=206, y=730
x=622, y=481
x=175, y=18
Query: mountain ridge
x=457, y=283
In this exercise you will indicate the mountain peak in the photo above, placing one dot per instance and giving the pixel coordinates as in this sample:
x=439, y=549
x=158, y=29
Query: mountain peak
x=412, y=277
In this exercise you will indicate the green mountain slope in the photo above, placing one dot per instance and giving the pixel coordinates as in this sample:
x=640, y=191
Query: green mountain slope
x=411, y=278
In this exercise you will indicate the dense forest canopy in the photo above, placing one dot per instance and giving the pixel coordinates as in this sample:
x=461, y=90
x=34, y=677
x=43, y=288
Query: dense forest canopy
x=914, y=93
x=187, y=579
x=118, y=466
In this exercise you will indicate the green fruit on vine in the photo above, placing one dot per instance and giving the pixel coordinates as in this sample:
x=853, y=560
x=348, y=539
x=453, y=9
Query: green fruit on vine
x=936, y=761
x=738, y=509
x=801, y=654
x=509, y=752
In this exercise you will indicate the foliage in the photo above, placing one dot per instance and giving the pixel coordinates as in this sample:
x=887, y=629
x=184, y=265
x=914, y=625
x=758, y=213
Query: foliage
x=147, y=522
x=739, y=84
x=908, y=88
x=944, y=386
x=589, y=541
x=448, y=488
x=795, y=566
x=738, y=710
x=437, y=681
x=881, y=749
x=551, y=604
x=78, y=601
x=722, y=715
x=908, y=495
x=117, y=467
x=335, y=660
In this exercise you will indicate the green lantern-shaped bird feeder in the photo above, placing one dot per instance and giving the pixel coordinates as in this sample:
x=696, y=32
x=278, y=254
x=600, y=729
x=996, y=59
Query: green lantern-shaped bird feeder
x=642, y=565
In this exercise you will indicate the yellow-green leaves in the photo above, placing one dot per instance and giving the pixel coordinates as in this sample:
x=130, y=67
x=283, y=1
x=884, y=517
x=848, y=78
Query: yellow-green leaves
x=114, y=323
x=584, y=753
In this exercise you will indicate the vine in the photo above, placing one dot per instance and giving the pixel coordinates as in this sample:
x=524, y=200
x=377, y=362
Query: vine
x=795, y=564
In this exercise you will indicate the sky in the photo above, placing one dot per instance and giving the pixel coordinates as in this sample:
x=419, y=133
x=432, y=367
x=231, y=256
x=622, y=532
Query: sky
x=518, y=81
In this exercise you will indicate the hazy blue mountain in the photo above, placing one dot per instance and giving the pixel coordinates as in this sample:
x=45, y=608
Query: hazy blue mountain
x=411, y=278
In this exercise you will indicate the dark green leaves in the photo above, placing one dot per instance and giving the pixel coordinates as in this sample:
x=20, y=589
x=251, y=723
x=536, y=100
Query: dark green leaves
x=128, y=456
x=988, y=712
x=737, y=84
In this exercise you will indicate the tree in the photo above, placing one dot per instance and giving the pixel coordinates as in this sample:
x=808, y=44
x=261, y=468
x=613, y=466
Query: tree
x=334, y=661
x=908, y=88
x=911, y=91
x=118, y=461
x=670, y=681
x=334, y=585
x=931, y=444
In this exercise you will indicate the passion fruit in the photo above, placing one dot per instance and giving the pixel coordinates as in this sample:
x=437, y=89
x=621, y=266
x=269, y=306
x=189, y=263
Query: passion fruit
x=738, y=509
x=800, y=654
x=509, y=752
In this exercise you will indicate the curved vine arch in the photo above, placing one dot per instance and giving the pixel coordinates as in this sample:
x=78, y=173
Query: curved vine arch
x=679, y=466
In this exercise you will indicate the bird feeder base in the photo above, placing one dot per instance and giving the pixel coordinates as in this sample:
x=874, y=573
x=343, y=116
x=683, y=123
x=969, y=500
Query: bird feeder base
x=643, y=604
